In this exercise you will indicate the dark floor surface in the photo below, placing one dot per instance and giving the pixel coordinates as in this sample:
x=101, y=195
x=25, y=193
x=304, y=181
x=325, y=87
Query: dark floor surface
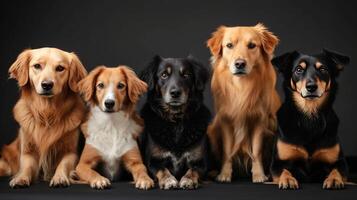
x=239, y=190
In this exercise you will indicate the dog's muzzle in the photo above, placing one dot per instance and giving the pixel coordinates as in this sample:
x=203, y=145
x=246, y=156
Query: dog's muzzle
x=239, y=67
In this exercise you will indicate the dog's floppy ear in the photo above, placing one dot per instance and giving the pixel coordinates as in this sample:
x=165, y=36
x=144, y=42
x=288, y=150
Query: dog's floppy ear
x=215, y=42
x=76, y=72
x=269, y=40
x=135, y=86
x=339, y=59
x=284, y=62
x=86, y=86
x=201, y=73
x=19, y=70
x=148, y=74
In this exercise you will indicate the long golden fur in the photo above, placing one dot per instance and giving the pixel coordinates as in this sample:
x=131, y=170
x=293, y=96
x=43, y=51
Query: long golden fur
x=49, y=123
x=245, y=105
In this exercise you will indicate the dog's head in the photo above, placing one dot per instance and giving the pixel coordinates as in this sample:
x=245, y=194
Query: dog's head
x=175, y=81
x=48, y=70
x=112, y=89
x=242, y=48
x=310, y=77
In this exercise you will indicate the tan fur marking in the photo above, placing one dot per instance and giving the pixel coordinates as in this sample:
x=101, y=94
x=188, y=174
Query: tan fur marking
x=318, y=65
x=310, y=107
x=290, y=152
x=303, y=64
x=328, y=155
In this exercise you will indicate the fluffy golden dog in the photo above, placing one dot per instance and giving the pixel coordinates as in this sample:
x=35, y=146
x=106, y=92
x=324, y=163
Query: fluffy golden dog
x=112, y=127
x=49, y=113
x=245, y=98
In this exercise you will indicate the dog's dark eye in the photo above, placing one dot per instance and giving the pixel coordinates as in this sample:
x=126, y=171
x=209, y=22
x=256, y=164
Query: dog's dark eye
x=37, y=66
x=229, y=45
x=186, y=75
x=299, y=70
x=59, y=68
x=121, y=85
x=100, y=85
x=323, y=69
x=251, y=45
x=164, y=75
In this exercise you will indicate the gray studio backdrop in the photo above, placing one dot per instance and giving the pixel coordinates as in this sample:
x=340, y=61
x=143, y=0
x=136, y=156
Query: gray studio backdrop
x=131, y=32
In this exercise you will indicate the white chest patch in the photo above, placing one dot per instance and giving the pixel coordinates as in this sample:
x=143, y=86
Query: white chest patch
x=112, y=135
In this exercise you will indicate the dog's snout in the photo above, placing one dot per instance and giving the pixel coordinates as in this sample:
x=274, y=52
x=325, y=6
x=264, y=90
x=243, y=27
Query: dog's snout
x=311, y=87
x=175, y=93
x=47, y=85
x=240, y=64
x=109, y=104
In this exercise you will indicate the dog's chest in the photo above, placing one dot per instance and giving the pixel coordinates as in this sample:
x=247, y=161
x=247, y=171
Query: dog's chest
x=112, y=135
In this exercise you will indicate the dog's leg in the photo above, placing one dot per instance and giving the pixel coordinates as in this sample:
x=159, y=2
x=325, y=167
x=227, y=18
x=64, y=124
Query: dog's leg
x=286, y=180
x=9, y=163
x=195, y=169
x=5, y=169
x=226, y=171
x=28, y=169
x=258, y=175
x=166, y=179
x=338, y=175
x=281, y=170
x=66, y=165
x=334, y=180
x=27, y=172
x=84, y=170
x=67, y=160
x=134, y=164
x=189, y=180
x=214, y=137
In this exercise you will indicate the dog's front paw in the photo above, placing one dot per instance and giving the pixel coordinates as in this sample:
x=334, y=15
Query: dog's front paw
x=100, y=183
x=20, y=181
x=59, y=180
x=168, y=182
x=188, y=183
x=288, y=182
x=144, y=183
x=259, y=178
x=333, y=183
x=224, y=177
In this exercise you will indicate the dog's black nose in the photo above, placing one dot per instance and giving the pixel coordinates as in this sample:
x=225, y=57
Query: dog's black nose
x=109, y=103
x=175, y=93
x=47, y=85
x=240, y=64
x=311, y=87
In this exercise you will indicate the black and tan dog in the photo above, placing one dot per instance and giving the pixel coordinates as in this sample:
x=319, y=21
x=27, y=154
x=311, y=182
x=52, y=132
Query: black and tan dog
x=176, y=120
x=307, y=147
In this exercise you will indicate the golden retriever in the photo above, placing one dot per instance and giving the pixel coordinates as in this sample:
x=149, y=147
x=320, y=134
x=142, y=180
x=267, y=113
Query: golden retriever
x=245, y=98
x=112, y=127
x=49, y=113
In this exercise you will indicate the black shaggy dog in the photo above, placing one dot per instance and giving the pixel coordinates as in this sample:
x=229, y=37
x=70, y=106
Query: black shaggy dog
x=307, y=147
x=175, y=145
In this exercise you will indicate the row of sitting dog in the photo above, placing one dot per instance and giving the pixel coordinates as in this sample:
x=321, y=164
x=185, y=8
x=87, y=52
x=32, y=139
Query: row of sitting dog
x=174, y=140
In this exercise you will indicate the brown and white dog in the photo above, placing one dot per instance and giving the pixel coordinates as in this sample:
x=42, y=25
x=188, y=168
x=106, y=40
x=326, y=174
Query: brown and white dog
x=245, y=99
x=49, y=113
x=112, y=127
